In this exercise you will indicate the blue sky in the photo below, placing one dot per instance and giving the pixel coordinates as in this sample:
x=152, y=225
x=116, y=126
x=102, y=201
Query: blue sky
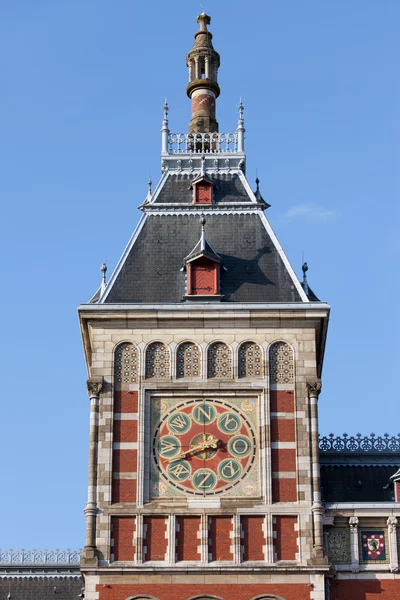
x=82, y=88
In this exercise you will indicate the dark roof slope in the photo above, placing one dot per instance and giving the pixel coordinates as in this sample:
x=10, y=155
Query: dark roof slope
x=228, y=188
x=41, y=588
x=152, y=272
x=357, y=483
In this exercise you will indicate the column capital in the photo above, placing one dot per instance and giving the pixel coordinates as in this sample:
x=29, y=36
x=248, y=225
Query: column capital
x=94, y=386
x=314, y=387
x=353, y=522
x=392, y=523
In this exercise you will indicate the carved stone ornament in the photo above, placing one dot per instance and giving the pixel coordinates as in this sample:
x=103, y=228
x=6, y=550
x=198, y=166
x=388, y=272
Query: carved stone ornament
x=94, y=386
x=353, y=522
x=314, y=388
x=392, y=523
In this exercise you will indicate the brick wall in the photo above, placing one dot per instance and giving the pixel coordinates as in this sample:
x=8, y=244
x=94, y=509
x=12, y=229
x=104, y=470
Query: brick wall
x=155, y=540
x=253, y=537
x=235, y=591
x=220, y=532
x=187, y=538
x=365, y=589
x=122, y=538
x=124, y=434
x=283, y=431
x=285, y=537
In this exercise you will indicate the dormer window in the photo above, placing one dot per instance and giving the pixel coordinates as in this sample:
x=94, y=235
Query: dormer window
x=203, y=193
x=203, y=267
x=203, y=190
x=202, y=277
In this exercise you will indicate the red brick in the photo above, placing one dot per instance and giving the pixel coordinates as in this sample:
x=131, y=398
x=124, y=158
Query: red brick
x=397, y=491
x=124, y=490
x=125, y=431
x=219, y=532
x=283, y=430
x=167, y=591
x=365, y=589
x=154, y=538
x=124, y=461
x=187, y=540
x=253, y=537
x=283, y=460
x=122, y=532
x=284, y=490
x=282, y=401
x=285, y=540
x=125, y=401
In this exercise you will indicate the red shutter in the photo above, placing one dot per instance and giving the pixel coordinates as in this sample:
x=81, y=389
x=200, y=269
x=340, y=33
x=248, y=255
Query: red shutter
x=203, y=277
x=203, y=193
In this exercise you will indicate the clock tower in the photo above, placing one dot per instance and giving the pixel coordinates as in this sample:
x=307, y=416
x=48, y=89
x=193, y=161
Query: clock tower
x=204, y=354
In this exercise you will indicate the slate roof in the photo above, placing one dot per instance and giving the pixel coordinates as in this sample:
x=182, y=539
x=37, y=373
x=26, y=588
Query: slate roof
x=228, y=188
x=357, y=483
x=152, y=271
x=41, y=588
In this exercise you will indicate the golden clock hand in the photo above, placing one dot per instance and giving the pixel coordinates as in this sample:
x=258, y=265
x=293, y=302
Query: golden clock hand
x=211, y=442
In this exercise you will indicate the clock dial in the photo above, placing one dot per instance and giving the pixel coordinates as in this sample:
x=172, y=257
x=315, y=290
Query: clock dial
x=204, y=447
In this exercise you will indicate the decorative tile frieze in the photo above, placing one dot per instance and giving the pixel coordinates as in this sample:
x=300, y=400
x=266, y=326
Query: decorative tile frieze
x=250, y=360
x=219, y=361
x=126, y=365
x=157, y=361
x=281, y=363
x=339, y=546
x=188, y=360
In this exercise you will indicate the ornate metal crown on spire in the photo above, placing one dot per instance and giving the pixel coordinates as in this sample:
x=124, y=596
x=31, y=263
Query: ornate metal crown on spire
x=223, y=152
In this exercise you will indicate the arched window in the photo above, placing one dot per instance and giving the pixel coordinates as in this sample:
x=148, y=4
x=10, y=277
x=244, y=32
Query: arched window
x=281, y=363
x=219, y=361
x=250, y=360
x=126, y=365
x=157, y=361
x=188, y=360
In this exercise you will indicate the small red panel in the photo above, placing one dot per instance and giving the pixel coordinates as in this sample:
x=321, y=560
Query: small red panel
x=154, y=538
x=283, y=460
x=122, y=532
x=253, y=538
x=285, y=538
x=284, y=490
x=187, y=538
x=203, y=193
x=282, y=401
x=125, y=402
x=125, y=461
x=283, y=430
x=219, y=534
x=125, y=431
x=123, y=490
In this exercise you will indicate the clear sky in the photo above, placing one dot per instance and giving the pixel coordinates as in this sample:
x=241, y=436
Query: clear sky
x=82, y=88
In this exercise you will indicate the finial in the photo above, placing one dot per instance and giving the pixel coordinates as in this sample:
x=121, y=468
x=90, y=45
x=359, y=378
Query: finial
x=150, y=183
x=103, y=286
x=241, y=109
x=203, y=21
x=166, y=109
x=203, y=166
x=202, y=238
x=258, y=185
x=305, y=282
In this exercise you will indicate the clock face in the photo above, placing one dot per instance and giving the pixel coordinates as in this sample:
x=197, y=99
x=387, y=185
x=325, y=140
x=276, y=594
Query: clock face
x=203, y=447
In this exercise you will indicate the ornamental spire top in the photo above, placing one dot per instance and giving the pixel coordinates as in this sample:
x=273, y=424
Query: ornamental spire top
x=203, y=63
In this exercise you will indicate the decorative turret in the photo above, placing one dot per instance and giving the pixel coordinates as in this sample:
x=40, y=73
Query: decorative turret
x=203, y=62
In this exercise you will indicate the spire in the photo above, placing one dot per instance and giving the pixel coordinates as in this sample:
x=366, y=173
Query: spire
x=203, y=62
x=164, y=128
x=240, y=127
